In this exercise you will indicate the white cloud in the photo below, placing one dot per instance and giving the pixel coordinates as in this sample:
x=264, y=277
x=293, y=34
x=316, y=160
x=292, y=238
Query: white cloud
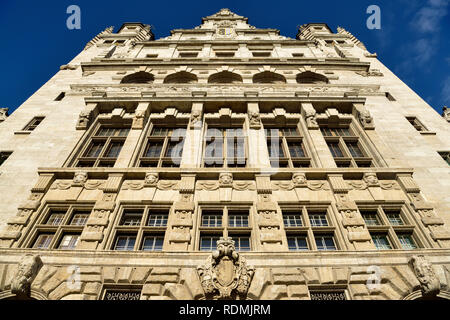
x=428, y=18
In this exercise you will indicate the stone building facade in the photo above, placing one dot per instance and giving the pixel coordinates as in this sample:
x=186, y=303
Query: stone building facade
x=224, y=162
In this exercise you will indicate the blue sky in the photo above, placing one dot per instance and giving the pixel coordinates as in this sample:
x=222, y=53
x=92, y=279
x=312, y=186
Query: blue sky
x=413, y=41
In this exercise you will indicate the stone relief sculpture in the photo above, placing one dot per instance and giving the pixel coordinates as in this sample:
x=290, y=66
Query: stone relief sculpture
x=445, y=113
x=27, y=270
x=3, y=114
x=225, y=274
x=196, y=118
x=151, y=179
x=299, y=179
x=371, y=179
x=226, y=180
x=366, y=118
x=80, y=178
x=424, y=272
x=255, y=120
x=311, y=119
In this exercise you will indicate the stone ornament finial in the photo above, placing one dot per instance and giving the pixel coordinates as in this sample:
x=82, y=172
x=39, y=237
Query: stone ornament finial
x=225, y=275
x=26, y=272
x=424, y=272
x=445, y=113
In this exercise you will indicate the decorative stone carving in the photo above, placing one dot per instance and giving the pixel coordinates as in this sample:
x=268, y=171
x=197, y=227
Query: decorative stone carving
x=3, y=114
x=68, y=67
x=27, y=270
x=366, y=119
x=226, y=180
x=255, y=120
x=311, y=119
x=196, y=117
x=151, y=179
x=138, y=120
x=424, y=272
x=445, y=113
x=225, y=275
x=299, y=179
x=370, y=73
x=83, y=120
x=79, y=179
x=371, y=179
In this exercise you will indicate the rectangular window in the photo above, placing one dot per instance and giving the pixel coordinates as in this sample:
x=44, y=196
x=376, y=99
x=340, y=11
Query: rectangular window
x=370, y=217
x=79, y=219
x=131, y=218
x=4, y=156
x=224, y=147
x=394, y=218
x=43, y=241
x=164, y=147
x=407, y=242
x=297, y=243
x=208, y=243
x=212, y=219
x=286, y=147
x=103, y=147
x=33, y=123
x=158, y=218
x=125, y=243
x=345, y=147
x=318, y=219
x=325, y=242
x=292, y=220
x=381, y=242
x=152, y=243
x=416, y=124
x=237, y=220
x=69, y=242
x=241, y=242
x=55, y=219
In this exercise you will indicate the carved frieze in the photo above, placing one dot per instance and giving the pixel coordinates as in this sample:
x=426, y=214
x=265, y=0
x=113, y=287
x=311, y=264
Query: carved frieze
x=225, y=274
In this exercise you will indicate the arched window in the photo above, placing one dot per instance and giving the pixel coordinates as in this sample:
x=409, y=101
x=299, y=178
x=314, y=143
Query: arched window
x=268, y=77
x=138, y=77
x=225, y=77
x=311, y=77
x=181, y=77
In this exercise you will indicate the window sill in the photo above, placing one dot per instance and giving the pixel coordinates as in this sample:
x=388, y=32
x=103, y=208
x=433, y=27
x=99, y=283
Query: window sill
x=22, y=132
x=428, y=133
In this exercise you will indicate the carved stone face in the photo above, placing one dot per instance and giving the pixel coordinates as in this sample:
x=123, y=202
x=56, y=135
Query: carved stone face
x=151, y=178
x=80, y=177
x=299, y=179
x=225, y=179
x=371, y=178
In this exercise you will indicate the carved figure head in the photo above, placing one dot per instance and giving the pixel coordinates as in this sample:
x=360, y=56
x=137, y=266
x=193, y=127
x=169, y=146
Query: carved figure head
x=299, y=179
x=225, y=179
x=151, y=178
x=80, y=177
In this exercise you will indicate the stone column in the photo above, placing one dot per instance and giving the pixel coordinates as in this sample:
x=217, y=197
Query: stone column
x=357, y=233
x=321, y=147
x=256, y=139
x=193, y=142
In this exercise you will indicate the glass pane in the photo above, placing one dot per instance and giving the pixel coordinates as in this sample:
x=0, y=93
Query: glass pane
x=211, y=219
x=325, y=243
x=114, y=149
x=275, y=148
x=79, y=219
x=335, y=150
x=125, y=243
x=94, y=149
x=43, y=241
x=394, y=218
x=407, y=241
x=238, y=221
x=131, y=218
x=381, y=242
x=174, y=149
x=69, y=242
x=153, y=150
x=160, y=131
x=157, y=220
x=290, y=132
x=296, y=149
x=241, y=243
x=354, y=149
x=297, y=243
x=318, y=219
x=293, y=220
x=55, y=219
x=208, y=243
x=371, y=218
x=153, y=243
